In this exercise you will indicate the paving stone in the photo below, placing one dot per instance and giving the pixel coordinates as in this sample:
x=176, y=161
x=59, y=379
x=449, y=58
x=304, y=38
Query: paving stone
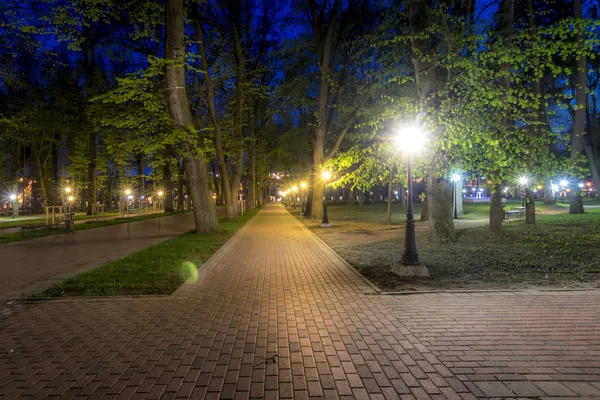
x=275, y=289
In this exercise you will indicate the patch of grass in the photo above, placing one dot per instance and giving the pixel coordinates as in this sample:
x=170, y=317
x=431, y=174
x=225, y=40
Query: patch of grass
x=157, y=270
x=38, y=219
x=560, y=249
x=16, y=236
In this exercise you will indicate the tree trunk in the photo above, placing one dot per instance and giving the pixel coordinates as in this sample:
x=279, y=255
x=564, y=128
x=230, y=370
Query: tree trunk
x=376, y=196
x=425, y=203
x=441, y=223
x=402, y=195
x=252, y=181
x=548, y=193
x=576, y=205
x=180, y=188
x=140, y=171
x=496, y=210
x=529, y=207
x=230, y=209
x=92, y=182
x=168, y=187
x=458, y=197
x=351, y=197
x=204, y=210
x=389, y=200
x=361, y=198
x=580, y=90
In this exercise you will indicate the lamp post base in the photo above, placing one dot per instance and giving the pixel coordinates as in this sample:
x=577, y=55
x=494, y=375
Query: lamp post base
x=326, y=225
x=409, y=270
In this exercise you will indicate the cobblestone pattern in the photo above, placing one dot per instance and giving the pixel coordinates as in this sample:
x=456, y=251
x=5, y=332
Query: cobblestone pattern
x=275, y=314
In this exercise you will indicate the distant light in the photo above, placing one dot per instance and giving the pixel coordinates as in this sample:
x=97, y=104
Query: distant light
x=581, y=185
x=474, y=189
x=589, y=183
x=128, y=192
x=505, y=190
x=160, y=193
x=456, y=177
x=130, y=197
x=294, y=188
x=540, y=187
x=464, y=190
x=395, y=192
x=303, y=185
x=13, y=197
x=68, y=190
x=523, y=180
x=70, y=198
x=142, y=197
x=481, y=189
x=326, y=175
x=534, y=190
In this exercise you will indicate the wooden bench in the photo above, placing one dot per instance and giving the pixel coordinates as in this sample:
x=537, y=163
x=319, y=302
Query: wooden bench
x=518, y=212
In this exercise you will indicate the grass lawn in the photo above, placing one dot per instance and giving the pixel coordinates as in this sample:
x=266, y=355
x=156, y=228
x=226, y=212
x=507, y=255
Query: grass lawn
x=376, y=213
x=37, y=219
x=560, y=250
x=157, y=270
x=16, y=236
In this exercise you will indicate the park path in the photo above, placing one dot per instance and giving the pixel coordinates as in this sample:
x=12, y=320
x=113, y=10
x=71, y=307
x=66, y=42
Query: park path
x=32, y=265
x=276, y=314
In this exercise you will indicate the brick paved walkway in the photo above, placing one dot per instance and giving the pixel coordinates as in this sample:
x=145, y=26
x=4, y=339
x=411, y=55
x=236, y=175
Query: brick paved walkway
x=275, y=314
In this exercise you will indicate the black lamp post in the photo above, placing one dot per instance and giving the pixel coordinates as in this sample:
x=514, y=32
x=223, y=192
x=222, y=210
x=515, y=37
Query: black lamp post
x=410, y=256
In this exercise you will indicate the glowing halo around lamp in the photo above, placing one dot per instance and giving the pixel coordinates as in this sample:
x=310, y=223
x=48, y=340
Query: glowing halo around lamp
x=13, y=197
x=456, y=177
x=303, y=185
x=67, y=190
x=410, y=139
x=523, y=180
x=326, y=175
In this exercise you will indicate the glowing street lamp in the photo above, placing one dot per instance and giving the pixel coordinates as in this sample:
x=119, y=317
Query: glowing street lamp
x=325, y=223
x=564, y=183
x=128, y=192
x=410, y=140
x=67, y=190
x=160, y=193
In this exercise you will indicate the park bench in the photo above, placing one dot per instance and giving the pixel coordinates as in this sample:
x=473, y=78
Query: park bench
x=28, y=230
x=514, y=213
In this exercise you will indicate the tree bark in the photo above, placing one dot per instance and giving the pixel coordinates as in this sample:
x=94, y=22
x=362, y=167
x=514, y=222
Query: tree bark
x=548, y=194
x=167, y=187
x=180, y=177
x=204, y=210
x=441, y=223
x=580, y=90
x=230, y=209
x=576, y=205
x=496, y=210
x=529, y=207
x=389, y=200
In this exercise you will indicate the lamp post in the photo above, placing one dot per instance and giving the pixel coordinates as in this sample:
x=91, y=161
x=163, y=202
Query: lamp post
x=294, y=190
x=455, y=178
x=13, y=200
x=325, y=223
x=302, y=194
x=564, y=185
x=523, y=180
x=410, y=140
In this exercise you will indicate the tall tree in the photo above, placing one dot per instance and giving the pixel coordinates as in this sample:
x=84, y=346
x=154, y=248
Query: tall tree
x=179, y=109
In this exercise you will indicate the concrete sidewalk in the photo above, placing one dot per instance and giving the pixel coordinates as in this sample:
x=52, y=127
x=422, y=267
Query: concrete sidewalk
x=276, y=314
